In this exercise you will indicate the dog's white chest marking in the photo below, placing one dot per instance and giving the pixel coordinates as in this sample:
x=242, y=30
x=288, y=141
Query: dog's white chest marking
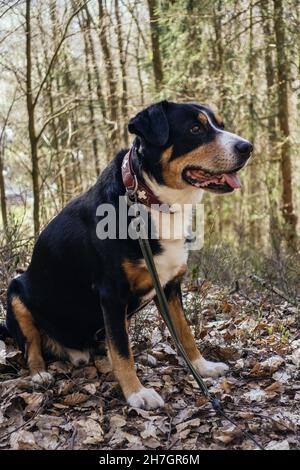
x=172, y=229
x=174, y=250
x=169, y=262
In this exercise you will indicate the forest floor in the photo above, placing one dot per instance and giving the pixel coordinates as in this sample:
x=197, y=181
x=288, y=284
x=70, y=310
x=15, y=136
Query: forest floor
x=257, y=336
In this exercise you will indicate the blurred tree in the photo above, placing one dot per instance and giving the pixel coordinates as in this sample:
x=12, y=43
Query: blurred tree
x=112, y=97
x=156, y=54
x=283, y=118
x=88, y=66
x=122, y=63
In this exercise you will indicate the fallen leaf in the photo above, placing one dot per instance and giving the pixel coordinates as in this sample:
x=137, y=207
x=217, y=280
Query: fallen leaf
x=148, y=360
x=152, y=443
x=226, y=307
x=204, y=428
x=103, y=365
x=60, y=406
x=185, y=414
x=90, y=372
x=47, y=422
x=278, y=445
x=296, y=358
x=117, y=439
x=93, y=433
x=191, y=423
x=226, y=386
x=2, y=353
x=255, y=395
x=272, y=363
x=132, y=439
x=227, y=434
x=65, y=387
x=149, y=430
x=168, y=350
x=23, y=440
x=117, y=421
x=33, y=401
x=75, y=399
x=275, y=387
x=138, y=411
x=281, y=376
x=267, y=367
x=90, y=388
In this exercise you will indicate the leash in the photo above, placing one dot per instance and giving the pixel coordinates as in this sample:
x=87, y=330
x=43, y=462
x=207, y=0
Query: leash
x=165, y=313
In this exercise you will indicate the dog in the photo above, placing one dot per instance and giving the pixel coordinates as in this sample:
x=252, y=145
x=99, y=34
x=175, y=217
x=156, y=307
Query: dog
x=79, y=289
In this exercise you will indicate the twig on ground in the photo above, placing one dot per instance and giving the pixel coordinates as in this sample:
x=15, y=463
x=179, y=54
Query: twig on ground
x=273, y=289
x=72, y=439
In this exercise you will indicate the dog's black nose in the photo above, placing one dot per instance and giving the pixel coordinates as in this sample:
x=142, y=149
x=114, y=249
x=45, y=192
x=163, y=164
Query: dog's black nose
x=244, y=148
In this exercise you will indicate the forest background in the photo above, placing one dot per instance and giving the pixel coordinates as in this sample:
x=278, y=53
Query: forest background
x=72, y=72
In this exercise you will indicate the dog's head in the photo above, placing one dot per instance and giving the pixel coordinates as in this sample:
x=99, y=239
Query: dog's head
x=186, y=144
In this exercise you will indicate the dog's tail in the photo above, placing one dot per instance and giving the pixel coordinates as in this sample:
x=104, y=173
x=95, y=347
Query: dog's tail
x=4, y=332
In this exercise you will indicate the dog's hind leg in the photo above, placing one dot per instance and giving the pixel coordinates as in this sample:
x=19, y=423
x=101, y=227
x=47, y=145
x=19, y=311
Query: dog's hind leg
x=121, y=356
x=77, y=357
x=32, y=337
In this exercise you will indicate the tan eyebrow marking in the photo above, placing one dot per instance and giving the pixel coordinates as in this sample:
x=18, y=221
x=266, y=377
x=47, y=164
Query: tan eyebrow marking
x=203, y=119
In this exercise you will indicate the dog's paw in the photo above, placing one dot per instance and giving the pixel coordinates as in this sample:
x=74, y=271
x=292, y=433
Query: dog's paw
x=78, y=358
x=210, y=369
x=146, y=398
x=42, y=378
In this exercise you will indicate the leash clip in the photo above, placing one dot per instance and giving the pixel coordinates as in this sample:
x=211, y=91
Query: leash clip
x=131, y=193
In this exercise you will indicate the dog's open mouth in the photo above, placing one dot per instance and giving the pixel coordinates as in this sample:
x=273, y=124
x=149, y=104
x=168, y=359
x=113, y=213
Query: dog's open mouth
x=223, y=182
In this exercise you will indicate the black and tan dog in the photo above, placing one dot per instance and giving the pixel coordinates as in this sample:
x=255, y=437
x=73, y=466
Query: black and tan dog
x=78, y=287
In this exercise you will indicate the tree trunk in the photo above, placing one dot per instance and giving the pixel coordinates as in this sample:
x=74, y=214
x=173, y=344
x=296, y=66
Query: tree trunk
x=283, y=119
x=111, y=80
x=54, y=126
x=156, y=54
x=51, y=92
x=31, y=124
x=219, y=68
x=254, y=186
x=99, y=91
x=122, y=60
x=218, y=29
x=2, y=190
x=2, y=180
x=89, y=78
x=73, y=173
x=272, y=164
x=139, y=71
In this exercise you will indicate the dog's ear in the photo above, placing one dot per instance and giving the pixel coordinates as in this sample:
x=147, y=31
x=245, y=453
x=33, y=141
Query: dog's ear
x=151, y=124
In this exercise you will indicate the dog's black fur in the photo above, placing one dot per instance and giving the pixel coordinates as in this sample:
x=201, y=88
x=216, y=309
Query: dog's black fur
x=75, y=287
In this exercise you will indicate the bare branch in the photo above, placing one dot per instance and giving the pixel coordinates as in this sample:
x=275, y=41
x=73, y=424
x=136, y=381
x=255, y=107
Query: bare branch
x=9, y=8
x=7, y=115
x=55, y=54
x=11, y=32
x=58, y=113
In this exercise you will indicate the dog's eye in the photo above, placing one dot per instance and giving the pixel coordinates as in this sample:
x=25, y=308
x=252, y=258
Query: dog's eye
x=196, y=129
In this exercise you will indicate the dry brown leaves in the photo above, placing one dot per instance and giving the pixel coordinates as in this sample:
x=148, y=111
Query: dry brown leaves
x=85, y=409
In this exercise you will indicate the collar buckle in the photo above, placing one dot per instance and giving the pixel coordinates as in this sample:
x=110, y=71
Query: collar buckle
x=135, y=190
x=131, y=192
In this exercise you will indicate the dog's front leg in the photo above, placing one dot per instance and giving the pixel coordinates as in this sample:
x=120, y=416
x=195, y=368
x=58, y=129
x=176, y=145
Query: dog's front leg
x=116, y=328
x=183, y=330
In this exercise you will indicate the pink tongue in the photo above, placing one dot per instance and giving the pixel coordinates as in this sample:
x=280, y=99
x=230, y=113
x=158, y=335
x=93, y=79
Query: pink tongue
x=233, y=180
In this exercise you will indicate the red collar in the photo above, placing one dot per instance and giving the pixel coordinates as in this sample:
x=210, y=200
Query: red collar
x=133, y=186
